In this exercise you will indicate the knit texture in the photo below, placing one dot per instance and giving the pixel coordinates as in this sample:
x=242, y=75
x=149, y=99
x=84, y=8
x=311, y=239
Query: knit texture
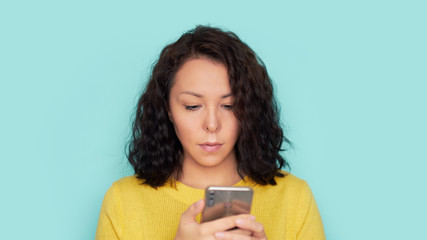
x=131, y=210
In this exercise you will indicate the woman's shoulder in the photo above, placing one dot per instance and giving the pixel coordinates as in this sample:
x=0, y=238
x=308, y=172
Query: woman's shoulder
x=128, y=188
x=128, y=181
x=289, y=184
x=287, y=187
x=290, y=180
x=129, y=184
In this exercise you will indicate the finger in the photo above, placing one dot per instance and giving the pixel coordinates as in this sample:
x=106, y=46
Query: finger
x=190, y=214
x=231, y=236
x=251, y=225
x=240, y=231
x=225, y=223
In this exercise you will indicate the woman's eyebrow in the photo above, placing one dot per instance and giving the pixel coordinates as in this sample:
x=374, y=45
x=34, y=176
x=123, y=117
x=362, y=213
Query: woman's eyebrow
x=192, y=93
x=227, y=95
x=201, y=96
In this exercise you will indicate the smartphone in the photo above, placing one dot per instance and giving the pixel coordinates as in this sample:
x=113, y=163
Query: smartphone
x=223, y=201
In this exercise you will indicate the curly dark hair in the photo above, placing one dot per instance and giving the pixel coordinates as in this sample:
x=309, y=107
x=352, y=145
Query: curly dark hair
x=155, y=151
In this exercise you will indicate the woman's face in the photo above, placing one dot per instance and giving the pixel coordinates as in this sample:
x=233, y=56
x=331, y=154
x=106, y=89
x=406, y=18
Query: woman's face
x=200, y=108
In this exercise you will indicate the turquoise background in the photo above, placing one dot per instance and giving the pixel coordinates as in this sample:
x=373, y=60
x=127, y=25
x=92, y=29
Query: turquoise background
x=350, y=77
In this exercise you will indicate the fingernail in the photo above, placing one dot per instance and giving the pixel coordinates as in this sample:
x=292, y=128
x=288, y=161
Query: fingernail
x=251, y=217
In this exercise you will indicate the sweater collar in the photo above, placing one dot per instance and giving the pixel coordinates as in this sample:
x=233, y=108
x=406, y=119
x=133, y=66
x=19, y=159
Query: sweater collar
x=190, y=195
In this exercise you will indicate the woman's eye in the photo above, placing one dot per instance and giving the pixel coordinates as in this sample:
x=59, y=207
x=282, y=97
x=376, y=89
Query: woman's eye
x=192, y=107
x=228, y=107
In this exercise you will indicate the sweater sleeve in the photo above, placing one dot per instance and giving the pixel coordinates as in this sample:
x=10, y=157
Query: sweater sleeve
x=110, y=218
x=309, y=223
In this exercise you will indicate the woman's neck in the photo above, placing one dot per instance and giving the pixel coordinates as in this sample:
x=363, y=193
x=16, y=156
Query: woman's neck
x=202, y=177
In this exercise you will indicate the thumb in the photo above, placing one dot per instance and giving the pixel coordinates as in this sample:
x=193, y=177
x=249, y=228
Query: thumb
x=195, y=209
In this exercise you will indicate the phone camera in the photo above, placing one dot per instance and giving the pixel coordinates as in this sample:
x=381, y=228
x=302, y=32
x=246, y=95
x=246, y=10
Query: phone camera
x=211, y=198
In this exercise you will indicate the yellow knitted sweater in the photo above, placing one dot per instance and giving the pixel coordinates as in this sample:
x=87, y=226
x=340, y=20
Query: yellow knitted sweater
x=134, y=211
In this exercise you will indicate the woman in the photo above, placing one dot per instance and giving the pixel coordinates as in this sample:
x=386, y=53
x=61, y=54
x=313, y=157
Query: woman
x=207, y=117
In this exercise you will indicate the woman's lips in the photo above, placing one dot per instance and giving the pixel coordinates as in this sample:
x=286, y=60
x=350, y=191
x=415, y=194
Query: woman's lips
x=210, y=147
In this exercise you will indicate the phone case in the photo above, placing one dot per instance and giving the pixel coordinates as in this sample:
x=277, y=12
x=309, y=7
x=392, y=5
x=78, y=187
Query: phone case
x=226, y=201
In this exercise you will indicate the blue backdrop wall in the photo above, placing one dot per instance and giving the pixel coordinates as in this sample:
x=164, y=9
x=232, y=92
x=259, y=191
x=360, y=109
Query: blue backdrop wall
x=350, y=77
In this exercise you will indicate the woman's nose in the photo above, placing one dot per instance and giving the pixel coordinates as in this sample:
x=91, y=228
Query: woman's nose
x=212, y=121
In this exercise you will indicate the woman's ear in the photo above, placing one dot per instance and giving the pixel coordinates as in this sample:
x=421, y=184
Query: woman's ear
x=169, y=115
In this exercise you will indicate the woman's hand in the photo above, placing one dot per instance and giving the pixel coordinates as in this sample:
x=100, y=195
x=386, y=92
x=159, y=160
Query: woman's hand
x=189, y=228
x=244, y=224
